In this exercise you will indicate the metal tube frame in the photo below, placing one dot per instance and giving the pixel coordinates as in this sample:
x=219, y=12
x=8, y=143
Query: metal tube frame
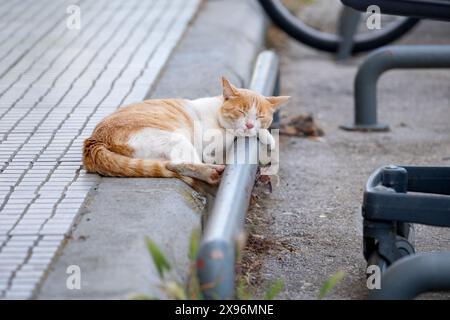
x=217, y=254
x=413, y=275
x=384, y=59
x=348, y=25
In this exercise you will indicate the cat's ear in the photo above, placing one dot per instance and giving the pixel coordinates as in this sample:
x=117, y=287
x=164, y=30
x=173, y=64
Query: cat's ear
x=229, y=91
x=277, y=101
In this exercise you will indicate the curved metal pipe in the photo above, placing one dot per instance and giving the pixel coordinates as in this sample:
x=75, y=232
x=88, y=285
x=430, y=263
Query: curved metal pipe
x=413, y=275
x=382, y=60
x=324, y=41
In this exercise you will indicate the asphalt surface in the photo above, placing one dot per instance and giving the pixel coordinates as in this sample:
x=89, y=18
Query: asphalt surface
x=314, y=213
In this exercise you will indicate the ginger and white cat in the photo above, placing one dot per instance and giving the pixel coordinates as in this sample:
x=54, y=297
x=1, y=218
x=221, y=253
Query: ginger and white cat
x=144, y=139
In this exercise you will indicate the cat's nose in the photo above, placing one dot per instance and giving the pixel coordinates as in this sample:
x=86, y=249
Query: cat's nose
x=249, y=125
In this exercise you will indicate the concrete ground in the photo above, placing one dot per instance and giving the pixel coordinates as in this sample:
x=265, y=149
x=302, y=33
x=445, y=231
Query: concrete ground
x=313, y=217
x=108, y=243
x=58, y=79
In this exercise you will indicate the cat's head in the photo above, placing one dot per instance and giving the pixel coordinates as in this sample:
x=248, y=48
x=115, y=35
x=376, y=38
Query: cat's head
x=247, y=111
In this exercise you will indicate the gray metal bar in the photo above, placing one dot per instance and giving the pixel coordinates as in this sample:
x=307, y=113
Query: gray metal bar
x=387, y=58
x=216, y=257
x=413, y=275
x=348, y=27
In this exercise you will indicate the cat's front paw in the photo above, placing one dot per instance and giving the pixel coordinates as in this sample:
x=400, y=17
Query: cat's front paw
x=266, y=138
x=271, y=143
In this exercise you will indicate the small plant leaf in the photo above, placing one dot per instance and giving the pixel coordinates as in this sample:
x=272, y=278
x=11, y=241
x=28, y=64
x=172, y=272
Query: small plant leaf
x=174, y=290
x=242, y=290
x=193, y=286
x=194, y=245
x=158, y=257
x=331, y=283
x=274, y=290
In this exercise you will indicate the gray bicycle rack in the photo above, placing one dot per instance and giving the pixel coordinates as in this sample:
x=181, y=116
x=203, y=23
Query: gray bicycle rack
x=413, y=275
x=394, y=57
x=384, y=59
x=348, y=26
x=217, y=254
x=395, y=197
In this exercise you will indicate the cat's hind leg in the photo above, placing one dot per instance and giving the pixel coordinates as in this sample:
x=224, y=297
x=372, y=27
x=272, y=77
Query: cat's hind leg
x=184, y=159
x=178, y=154
x=210, y=173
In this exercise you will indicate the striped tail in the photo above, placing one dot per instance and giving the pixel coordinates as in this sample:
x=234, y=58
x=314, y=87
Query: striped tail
x=97, y=158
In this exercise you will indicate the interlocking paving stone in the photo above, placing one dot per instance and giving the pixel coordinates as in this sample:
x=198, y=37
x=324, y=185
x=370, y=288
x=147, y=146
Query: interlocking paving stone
x=55, y=85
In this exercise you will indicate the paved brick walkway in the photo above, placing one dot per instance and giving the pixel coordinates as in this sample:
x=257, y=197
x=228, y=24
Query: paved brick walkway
x=55, y=85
